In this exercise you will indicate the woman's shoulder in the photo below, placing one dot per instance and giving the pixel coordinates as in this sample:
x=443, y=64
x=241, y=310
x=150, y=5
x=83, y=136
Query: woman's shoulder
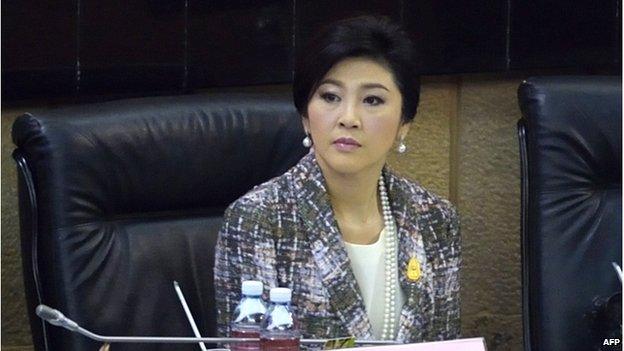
x=261, y=198
x=277, y=192
x=438, y=213
x=423, y=199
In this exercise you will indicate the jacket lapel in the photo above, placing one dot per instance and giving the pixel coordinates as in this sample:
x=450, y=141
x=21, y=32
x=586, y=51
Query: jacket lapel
x=328, y=249
x=416, y=240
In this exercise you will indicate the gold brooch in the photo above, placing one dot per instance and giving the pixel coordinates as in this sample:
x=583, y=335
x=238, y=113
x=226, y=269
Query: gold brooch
x=413, y=269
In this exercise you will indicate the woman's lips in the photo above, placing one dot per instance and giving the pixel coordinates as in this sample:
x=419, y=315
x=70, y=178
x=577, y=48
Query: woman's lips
x=346, y=144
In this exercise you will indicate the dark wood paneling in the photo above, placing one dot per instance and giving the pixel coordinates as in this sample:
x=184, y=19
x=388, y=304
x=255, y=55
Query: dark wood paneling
x=127, y=46
x=38, y=48
x=558, y=33
x=314, y=14
x=458, y=36
x=238, y=42
x=173, y=46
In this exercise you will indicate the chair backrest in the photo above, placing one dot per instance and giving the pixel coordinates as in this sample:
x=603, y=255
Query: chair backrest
x=571, y=152
x=119, y=199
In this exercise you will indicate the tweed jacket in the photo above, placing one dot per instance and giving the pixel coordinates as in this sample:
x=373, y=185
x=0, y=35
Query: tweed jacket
x=284, y=233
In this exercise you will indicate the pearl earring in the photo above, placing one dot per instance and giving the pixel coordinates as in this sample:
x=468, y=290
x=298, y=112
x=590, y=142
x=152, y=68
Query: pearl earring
x=401, y=148
x=307, y=142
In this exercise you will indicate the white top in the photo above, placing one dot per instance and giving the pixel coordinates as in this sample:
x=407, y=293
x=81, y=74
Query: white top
x=367, y=263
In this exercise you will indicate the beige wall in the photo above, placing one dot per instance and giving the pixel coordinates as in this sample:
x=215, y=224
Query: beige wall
x=15, y=329
x=463, y=146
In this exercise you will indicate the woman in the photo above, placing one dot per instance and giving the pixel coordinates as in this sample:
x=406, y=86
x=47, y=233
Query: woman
x=366, y=252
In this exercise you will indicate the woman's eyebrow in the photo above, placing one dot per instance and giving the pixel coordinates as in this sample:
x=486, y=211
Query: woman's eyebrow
x=331, y=81
x=374, y=85
x=363, y=86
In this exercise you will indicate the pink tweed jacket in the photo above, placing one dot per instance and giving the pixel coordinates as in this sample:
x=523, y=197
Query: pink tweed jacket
x=283, y=233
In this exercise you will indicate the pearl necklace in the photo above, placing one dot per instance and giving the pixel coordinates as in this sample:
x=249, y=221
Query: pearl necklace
x=388, y=332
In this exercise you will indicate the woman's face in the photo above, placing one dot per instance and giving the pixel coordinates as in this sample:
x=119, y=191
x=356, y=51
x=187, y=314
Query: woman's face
x=354, y=117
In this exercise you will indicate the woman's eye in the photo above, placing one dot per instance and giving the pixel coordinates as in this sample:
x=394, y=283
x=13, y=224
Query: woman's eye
x=329, y=97
x=373, y=100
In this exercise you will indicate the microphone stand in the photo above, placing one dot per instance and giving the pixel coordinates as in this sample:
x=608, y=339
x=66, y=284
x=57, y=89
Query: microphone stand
x=55, y=317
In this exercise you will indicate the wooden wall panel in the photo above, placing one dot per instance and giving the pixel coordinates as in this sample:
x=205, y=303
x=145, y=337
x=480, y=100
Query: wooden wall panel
x=38, y=48
x=127, y=46
x=84, y=48
x=458, y=36
x=238, y=42
x=564, y=34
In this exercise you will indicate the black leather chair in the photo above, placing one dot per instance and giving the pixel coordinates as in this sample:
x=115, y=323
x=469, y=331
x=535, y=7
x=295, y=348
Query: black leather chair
x=571, y=153
x=119, y=199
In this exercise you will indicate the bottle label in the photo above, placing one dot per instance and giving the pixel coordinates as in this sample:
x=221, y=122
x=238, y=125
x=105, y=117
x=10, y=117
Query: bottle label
x=245, y=346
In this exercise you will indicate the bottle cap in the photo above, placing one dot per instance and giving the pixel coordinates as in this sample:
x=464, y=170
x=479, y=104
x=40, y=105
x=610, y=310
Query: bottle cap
x=252, y=288
x=280, y=295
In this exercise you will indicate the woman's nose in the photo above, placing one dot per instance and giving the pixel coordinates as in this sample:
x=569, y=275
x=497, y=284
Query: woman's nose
x=349, y=117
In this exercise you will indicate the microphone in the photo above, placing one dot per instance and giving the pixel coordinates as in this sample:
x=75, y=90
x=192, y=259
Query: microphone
x=55, y=317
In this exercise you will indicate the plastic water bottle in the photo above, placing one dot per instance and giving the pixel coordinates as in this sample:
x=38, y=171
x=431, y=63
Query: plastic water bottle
x=248, y=315
x=280, y=329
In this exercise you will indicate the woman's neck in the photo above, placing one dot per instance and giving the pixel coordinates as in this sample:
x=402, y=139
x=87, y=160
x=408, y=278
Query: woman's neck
x=354, y=197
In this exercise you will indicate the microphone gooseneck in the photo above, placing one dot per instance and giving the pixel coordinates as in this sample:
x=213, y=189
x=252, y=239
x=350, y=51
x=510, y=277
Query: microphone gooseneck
x=55, y=317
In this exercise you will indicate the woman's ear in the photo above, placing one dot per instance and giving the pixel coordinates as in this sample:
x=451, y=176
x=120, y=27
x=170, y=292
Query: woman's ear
x=403, y=130
x=306, y=124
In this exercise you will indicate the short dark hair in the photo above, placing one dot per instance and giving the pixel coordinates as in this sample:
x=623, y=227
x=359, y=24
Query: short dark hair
x=367, y=36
